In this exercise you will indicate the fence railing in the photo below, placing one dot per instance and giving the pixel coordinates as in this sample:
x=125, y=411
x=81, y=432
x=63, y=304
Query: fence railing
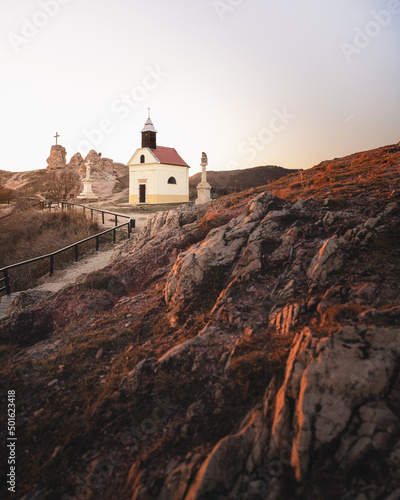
x=5, y=285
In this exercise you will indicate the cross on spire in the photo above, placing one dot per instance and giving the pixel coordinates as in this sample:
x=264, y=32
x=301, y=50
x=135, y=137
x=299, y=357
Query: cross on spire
x=148, y=111
x=57, y=136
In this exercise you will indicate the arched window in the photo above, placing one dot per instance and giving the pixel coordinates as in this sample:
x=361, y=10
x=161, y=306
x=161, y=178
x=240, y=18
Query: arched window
x=142, y=159
x=172, y=180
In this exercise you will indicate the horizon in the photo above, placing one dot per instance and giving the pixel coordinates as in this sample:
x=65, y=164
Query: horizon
x=252, y=85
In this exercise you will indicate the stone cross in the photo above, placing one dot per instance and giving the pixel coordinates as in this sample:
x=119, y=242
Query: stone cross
x=57, y=136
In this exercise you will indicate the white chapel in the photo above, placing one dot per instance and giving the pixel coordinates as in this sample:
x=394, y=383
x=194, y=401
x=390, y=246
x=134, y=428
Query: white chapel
x=157, y=174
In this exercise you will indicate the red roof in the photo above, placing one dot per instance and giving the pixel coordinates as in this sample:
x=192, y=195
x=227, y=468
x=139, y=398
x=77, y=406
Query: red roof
x=169, y=156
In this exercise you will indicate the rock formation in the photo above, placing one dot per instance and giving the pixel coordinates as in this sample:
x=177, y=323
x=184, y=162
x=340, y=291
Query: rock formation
x=98, y=162
x=248, y=349
x=57, y=158
x=77, y=163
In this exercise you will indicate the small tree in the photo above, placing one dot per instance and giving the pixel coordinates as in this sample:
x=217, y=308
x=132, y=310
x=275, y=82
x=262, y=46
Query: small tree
x=59, y=185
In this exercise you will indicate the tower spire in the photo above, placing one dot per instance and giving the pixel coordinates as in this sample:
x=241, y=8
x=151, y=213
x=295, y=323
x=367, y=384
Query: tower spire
x=149, y=134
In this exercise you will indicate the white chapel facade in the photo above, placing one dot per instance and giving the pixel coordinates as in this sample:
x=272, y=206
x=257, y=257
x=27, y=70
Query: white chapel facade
x=157, y=174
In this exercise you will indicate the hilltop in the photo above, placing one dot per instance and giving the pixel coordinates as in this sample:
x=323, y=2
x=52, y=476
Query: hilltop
x=245, y=349
x=229, y=181
x=373, y=172
x=110, y=178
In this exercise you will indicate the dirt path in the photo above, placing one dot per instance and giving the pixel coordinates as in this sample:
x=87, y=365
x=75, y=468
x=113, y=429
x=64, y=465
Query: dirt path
x=69, y=275
x=64, y=277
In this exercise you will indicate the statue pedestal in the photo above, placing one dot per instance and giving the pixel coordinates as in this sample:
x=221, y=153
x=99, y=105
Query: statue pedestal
x=203, y=193
x=87, y=191
x=203, y=188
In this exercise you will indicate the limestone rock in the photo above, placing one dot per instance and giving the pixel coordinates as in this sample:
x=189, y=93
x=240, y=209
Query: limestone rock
x=97, y=162
x=26, y=299
x=220, y=470
x=222, y=248
x=328, y=378
x=327, y=260
x=57, y=158
x=78, y=163
x=195, y=266
x=283, y=320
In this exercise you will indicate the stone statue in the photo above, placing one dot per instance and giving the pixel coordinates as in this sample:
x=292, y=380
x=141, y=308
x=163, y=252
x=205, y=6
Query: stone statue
x=88, y=171
x=203, y=188
x=87, y=192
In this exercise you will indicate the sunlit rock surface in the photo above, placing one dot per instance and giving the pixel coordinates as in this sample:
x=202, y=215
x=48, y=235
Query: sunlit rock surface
x=244, y=350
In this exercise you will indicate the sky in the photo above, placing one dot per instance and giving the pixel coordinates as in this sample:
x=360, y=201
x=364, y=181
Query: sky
x=249, y=82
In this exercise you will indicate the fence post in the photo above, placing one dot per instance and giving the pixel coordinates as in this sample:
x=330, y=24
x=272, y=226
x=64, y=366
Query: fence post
x=114, y=236
x=129, y=229
x=76, y=253
x=102, y=217
x=51, y=265
x=91, y=214
x=97, y=243
x=7, y=282
x=116, y=220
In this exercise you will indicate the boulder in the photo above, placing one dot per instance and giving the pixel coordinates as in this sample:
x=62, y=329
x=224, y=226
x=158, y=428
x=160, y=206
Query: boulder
x=57, y=158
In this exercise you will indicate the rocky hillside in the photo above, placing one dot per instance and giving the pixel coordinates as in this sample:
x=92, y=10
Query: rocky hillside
x=229, y=181
x=109, y=177
x=248, y=349
x=370, y=172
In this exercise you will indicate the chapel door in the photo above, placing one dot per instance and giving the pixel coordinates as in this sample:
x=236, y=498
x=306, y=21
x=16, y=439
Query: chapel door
x=142, y=193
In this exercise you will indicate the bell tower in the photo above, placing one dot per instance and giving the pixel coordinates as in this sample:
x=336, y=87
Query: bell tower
x=149, y=134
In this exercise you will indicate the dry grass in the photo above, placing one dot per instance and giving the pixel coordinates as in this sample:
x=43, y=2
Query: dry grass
x=256, y=360
x=27, y=233
x=374, y=172
x=220, y=212
x=81, y=398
